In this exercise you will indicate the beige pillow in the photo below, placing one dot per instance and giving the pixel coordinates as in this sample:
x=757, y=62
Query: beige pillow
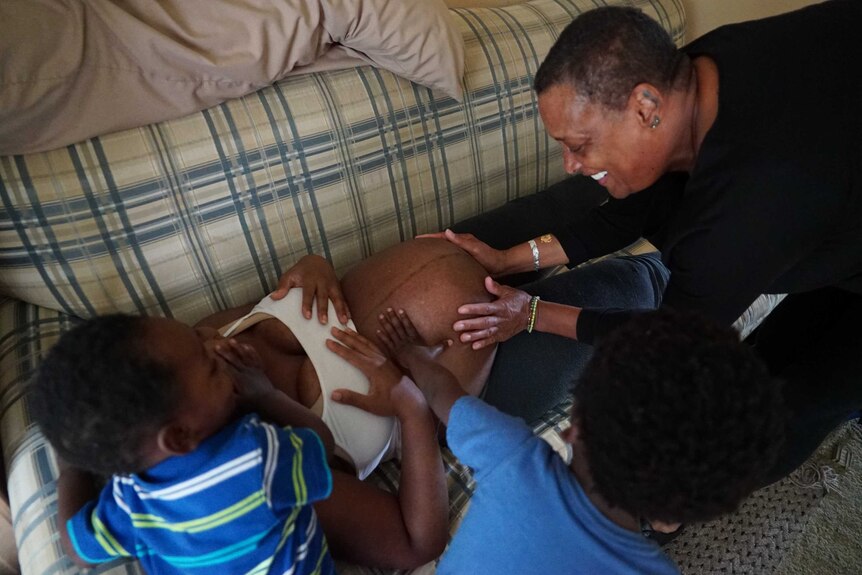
x=416, y=39
x=73, y=70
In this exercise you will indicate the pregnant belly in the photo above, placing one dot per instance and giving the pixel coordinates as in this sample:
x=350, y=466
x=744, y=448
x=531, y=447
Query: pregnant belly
x=429, y=279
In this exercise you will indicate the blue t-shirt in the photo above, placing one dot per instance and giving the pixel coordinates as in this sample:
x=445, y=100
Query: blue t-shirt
x=528, y=513
x=239, y=503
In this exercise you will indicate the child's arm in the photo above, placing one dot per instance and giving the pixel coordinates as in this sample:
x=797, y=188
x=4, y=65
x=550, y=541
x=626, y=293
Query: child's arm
x=437, y=383
x=75, y=488
x=412, y=529
x=256, y=394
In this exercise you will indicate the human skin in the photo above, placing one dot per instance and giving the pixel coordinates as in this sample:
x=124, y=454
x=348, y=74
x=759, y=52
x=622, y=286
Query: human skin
x=626, y=151
x=428, y=278
x=423, y=277
x=363, y=523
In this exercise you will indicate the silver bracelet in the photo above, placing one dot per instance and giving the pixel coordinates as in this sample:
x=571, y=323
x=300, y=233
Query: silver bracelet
x=535, y=249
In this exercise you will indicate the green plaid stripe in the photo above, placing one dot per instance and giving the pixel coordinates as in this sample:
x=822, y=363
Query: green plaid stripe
x=197, y=214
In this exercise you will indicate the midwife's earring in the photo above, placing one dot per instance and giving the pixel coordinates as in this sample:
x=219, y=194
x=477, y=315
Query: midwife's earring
x=655, y=122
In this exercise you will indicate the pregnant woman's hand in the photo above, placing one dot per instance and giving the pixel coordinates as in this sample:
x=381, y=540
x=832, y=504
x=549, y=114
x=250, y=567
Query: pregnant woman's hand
x=496, y=321
x=389, y=392
x=318, y=282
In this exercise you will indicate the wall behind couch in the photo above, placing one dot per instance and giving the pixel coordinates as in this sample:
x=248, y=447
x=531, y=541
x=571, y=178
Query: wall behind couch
x=701, y=15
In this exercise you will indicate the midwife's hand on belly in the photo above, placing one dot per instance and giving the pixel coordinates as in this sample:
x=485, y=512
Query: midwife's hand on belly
x=319, y=283
x=389, y=392
x=493, y=260
x=496, y=321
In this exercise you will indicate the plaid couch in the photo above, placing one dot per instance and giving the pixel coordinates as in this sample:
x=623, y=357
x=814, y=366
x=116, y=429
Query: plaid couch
x=190, y=216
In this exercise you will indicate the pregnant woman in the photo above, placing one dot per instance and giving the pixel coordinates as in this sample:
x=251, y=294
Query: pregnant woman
x=344, y=385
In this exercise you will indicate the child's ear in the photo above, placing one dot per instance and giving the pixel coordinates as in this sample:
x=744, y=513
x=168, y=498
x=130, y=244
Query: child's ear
x=176, y=439
x=571, y=434
x=663, y=527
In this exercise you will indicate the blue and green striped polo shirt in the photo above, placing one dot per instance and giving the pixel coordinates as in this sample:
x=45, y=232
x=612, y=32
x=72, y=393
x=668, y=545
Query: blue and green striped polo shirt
x=240, y=503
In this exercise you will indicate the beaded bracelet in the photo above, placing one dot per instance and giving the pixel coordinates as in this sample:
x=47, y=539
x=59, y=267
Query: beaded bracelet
x=531, y=321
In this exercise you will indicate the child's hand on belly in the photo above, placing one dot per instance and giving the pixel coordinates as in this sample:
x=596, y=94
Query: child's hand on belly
x=389, y=392
x=404, y=343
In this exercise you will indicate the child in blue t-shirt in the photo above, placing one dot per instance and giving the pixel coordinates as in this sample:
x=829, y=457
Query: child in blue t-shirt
x=674, y=420
x=195, y=486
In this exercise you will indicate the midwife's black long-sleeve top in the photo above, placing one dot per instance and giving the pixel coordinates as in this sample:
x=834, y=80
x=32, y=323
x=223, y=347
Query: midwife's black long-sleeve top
x=774, y=202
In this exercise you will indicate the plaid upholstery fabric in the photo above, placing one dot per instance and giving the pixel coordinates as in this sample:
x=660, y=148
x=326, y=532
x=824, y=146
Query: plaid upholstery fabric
x=190, y=216
x=198, y=214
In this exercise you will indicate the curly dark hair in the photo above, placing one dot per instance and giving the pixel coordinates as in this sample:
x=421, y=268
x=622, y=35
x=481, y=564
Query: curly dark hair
x=605, y=52
x=679, y=420
x=97, y=396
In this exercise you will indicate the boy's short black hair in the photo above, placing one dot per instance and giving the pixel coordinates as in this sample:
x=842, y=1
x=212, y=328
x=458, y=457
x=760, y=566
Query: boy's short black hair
x=680, y=421
x=97, y=396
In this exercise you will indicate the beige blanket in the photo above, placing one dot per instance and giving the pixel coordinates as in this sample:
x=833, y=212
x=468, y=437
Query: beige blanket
x=70, y=70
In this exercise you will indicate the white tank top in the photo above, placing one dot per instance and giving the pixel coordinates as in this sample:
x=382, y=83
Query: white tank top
x=365, y=437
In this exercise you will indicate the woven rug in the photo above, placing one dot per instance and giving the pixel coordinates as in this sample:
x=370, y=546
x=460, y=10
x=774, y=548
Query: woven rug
x=809, y=523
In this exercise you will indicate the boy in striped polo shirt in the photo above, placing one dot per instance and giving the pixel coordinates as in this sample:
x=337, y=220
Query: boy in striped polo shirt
x=195, y=486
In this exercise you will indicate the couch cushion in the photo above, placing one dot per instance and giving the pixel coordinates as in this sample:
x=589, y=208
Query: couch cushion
x=102, y=66
x=204, y=212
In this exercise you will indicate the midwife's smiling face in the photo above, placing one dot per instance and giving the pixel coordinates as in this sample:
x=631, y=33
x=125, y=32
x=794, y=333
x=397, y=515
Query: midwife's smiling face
x=614, y=147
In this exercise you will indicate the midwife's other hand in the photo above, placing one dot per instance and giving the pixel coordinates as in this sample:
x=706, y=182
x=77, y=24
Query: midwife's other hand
x=318, y=281
x=494, y=261
x=404, y=343
x=389, y=392
x=496, y=321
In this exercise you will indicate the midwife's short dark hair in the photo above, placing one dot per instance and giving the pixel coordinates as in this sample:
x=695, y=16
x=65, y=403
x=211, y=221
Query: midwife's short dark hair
x=680, y=421
x=604, y=53
x=97, y=396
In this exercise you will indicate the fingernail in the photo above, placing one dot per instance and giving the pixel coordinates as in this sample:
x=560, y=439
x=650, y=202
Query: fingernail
x=400, y=312
x=465, y=337
x=380, y=316
x=336, y=395
x=459, y=326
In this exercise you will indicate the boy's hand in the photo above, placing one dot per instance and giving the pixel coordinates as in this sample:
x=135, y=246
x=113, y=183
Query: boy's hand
x=404, y=343
x=318, y=281
x=388, y=392
x=250, y=382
